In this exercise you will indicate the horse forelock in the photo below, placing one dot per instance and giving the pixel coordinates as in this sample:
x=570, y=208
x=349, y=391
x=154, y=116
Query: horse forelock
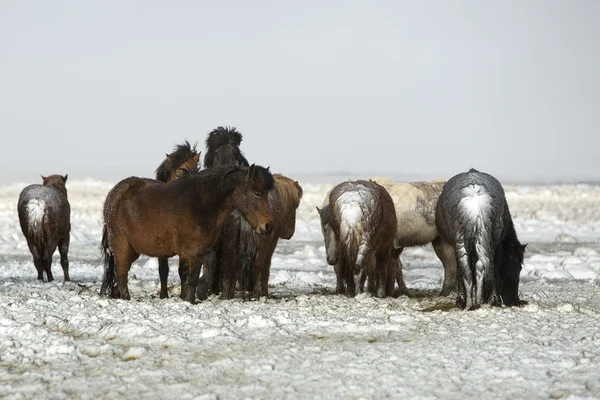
x=263, y=177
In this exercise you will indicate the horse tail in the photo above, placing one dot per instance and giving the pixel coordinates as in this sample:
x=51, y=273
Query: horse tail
x=110, y=278
x=36, y=212
x=476, y=210
x=352, y=248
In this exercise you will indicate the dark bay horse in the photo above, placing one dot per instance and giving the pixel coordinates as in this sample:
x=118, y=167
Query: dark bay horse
x=182, y=160
x=45, y=219
x=472, y=215
x=359, y=225
x=258, y=249
x=183, y=217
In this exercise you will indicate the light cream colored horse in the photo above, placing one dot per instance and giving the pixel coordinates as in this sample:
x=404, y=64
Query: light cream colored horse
x=415, y=204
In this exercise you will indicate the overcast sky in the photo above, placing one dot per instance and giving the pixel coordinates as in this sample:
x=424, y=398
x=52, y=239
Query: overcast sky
x=423, y=88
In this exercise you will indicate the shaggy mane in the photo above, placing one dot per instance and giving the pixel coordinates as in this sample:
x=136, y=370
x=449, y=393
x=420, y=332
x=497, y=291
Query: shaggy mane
x=180, y=155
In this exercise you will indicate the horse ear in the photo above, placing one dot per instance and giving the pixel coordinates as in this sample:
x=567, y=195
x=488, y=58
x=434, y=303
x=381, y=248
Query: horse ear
x=44, y=178
x=197, y=158
x=65, y=178
x=319, y=210
x=252, y=171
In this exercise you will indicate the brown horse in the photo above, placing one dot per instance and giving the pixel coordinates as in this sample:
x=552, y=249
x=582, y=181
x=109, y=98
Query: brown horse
x=183, y=160
x=183, y=217
x=358, y=221
x=45, y=218
x=249, y=253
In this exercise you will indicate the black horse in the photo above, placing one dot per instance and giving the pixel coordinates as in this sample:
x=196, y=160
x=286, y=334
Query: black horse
x=223, y=148
x=472, y=215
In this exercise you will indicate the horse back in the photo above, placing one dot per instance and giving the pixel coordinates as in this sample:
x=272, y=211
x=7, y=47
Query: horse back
x=415, y=204
x=46, y=208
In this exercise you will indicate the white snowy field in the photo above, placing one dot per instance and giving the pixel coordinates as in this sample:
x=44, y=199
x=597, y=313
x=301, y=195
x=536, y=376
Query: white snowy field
x=62, y=340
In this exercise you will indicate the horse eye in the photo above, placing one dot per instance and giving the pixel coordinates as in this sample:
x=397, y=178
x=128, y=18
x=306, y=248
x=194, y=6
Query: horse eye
x=258, y=194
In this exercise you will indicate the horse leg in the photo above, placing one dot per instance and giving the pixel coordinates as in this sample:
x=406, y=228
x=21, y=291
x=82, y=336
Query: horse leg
x=124, y=257
x=194, y=264
x=37, y=261
x=397, y=264
x=383, y=271
x=445, y=253
x=264, y=278
x=209, y=261
x=63, y=249
x=163, y=273
x=257, y=271
x=47, y=264
x=183, y=273
x=465, y=295
x=340, y=287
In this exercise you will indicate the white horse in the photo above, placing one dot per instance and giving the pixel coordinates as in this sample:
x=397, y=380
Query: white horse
x=415, y=204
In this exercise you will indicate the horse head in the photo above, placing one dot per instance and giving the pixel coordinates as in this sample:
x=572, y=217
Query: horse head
x=223, y=148
x=331, y=241
x=183, y=158
x=251, y=199
x=510, y=264
x=57, y=181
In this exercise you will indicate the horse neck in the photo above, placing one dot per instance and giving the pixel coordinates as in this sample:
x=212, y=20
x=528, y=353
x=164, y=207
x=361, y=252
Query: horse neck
x=220, y=189
x=60, y=188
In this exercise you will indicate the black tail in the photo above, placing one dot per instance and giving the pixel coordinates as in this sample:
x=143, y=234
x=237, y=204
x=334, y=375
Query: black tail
x=110, y=278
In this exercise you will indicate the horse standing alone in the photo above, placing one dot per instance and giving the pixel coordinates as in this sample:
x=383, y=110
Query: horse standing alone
x=472, y=215
x=358, y=222
x=45, y=219
x=181, y=161
x=183, y=217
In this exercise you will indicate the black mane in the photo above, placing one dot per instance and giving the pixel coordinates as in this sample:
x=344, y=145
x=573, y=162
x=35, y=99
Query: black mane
x=181, y=153
x=223, y=136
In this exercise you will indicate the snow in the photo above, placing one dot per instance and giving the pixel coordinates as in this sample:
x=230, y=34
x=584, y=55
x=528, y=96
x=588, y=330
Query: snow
x=61, y=340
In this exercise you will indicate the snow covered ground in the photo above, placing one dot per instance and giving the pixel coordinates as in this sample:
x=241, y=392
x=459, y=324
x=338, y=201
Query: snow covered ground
x=62, y=340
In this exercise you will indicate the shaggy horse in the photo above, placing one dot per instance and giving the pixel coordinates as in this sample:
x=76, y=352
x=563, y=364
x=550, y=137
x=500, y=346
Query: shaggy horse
x=359, y=224
x=415, y=212
x=472, y=216
x=258, y=250
x=45, y=219
x=222, y=148
x=183, y=217
x=183, y=160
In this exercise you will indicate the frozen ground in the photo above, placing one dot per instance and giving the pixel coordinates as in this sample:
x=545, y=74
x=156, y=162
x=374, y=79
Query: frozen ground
x=63, y=341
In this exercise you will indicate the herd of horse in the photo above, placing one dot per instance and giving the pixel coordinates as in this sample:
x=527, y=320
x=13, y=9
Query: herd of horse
x=226, y=219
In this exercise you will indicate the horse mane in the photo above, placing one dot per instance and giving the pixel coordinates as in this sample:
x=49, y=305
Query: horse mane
x=181, y=153
x=290, y=192
x=218, y=137
x=227, y=176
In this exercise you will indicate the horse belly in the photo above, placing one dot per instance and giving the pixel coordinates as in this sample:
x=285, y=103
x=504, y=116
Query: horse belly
x=416, y=232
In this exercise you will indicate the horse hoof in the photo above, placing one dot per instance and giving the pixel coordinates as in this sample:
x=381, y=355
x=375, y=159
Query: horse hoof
x=164, y=295
x=461, y=302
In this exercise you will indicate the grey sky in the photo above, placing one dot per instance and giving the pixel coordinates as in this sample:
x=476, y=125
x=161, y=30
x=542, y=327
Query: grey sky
x=424, y=88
